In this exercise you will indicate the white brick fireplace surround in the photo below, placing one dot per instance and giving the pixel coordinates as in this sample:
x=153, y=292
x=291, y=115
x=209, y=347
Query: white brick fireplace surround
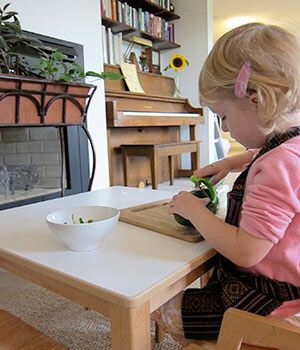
x=36, y=146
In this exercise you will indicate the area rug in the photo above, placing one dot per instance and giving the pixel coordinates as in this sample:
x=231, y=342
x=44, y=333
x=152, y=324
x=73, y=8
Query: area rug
x=66, y=322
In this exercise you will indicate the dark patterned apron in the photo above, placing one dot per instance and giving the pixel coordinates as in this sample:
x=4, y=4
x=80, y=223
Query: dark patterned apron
x=203, y=309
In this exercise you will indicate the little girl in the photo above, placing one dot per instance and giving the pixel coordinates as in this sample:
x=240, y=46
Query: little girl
x=251, y=80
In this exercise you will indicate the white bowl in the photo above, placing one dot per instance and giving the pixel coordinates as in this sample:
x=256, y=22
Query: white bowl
x=86, y=236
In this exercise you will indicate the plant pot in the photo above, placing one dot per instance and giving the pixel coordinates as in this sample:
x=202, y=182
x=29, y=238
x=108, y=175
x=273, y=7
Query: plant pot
x=29, y=101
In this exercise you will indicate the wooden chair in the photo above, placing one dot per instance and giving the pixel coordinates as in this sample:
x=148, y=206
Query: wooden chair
x=17, y=335
x=241, y=326
x=154, y=151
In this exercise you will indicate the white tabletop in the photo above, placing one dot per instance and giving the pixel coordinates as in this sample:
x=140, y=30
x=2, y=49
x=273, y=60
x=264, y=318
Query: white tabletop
x=131, y=262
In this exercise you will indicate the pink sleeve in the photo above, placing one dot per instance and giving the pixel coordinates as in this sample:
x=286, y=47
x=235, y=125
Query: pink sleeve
x=272, y=195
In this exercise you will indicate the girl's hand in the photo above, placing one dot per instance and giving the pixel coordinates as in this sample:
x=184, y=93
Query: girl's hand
x=217, y=169
x=185, y=204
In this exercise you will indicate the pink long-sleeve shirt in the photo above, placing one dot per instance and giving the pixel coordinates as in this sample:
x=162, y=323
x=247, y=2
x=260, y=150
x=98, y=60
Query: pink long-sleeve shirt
x=271, y=210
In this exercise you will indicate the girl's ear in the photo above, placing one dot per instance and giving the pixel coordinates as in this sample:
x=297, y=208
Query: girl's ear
x=253, y=98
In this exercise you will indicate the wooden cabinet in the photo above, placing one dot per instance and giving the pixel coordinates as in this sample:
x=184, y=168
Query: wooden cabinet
x=153, y=117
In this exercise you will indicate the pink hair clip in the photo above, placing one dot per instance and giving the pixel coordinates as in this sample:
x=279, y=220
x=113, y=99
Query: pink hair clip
x=241, y=83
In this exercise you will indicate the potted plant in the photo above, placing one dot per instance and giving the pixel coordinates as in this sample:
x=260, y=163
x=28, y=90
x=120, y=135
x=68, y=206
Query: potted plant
x=51, y=92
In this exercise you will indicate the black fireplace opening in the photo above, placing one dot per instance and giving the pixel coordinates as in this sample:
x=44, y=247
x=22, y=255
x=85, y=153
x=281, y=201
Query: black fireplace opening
x=34, y=154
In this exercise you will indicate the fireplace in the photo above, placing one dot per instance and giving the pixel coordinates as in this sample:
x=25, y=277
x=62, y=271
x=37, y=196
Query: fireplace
x=32, y=156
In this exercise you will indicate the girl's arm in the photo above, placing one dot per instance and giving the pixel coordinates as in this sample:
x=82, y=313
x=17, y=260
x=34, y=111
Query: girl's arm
x=234, y=243
x=222, y=167
x=237, y=161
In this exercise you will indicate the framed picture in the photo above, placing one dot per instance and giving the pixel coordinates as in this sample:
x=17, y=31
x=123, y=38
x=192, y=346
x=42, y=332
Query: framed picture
x=153, y=60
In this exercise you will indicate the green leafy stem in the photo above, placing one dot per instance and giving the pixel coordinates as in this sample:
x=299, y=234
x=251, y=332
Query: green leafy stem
x=200, y=181
x=55, y=67
x=80, y=220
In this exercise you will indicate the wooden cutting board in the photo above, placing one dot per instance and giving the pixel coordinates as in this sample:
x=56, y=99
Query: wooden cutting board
x=154, y=216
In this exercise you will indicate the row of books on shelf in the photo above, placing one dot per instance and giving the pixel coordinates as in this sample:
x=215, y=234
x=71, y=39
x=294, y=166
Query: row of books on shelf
x=111, y=46
x=162, y=3
x=137, y=18
x=108, y=5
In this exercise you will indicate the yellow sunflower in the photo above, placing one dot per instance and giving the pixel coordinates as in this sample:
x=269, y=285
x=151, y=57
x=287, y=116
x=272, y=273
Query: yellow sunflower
x=177, y=62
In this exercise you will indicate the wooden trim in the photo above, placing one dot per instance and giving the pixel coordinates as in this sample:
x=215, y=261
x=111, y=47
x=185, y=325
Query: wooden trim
x=43, y=277
x=181, y=284
x=82, y=292
x=238, y=326
x=184, y=172
x=141, y=96
x=131, y=327
x=128, y=121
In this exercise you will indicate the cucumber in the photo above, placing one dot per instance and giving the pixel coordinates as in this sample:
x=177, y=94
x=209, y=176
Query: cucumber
x=206, y=181
x=208, y=192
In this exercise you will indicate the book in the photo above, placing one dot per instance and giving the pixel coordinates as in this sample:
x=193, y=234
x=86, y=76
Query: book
x=104, y=44
x=111, y=58
x=140, y=40
x=120, y=45
x=114, y=9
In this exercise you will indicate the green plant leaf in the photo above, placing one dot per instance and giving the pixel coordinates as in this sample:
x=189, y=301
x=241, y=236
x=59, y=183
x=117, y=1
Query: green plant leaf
x=58, y=56
x=3, y=43
x=77, y=66
x=14, y=13
x=42, y=64
x=6, y=6
x=25, y=49
x=66, y=77
x=9, y=15
x=94, y=74
x=31, y=40
x=105, y=75
x=13, y=26
x=10, y=36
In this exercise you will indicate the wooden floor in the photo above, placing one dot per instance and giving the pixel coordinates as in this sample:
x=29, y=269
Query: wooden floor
x=10, y=284
x=185, y=184
x=17, y=335
x=14, y=333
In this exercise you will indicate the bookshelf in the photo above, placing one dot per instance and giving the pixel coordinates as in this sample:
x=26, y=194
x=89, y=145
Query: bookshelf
x=154, y=8
x=147, y=19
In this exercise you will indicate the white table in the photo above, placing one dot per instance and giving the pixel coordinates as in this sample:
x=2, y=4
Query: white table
x=131, y=275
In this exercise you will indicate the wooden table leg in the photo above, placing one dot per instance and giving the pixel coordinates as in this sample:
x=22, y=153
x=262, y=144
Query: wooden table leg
x=154, y=169
x=125, y=166
x=159, y=333
x=171, y=169
x=130, y=328
x=195, y=160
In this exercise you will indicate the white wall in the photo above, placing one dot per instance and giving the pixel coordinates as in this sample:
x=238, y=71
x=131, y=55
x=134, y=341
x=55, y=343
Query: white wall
x=194, y=32
x=79, y=22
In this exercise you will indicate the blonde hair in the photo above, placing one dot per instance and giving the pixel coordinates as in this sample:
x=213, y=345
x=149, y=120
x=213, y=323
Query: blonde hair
x=274, y=56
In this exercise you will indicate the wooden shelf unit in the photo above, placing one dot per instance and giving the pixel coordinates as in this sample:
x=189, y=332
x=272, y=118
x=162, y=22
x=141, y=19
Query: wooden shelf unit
x=153, y=8
x=120, y=27
x=158, y=43
x=116, y=26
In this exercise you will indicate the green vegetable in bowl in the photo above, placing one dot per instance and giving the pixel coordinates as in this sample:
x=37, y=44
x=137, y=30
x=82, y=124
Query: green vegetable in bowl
x=80, y=220
x=205, y=190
